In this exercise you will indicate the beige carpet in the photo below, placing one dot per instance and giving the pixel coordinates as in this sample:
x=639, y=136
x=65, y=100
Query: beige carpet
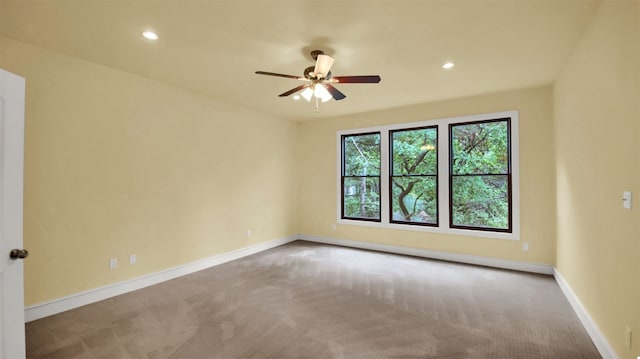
x=306, y=300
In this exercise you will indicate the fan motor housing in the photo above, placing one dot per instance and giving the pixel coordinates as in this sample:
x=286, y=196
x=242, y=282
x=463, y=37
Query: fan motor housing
x=308, y=71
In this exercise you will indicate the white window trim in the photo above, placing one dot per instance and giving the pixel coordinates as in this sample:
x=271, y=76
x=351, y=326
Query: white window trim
x=443, y=177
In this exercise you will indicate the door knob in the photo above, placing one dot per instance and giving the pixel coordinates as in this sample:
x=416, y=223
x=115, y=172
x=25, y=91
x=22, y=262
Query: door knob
x=19, y=254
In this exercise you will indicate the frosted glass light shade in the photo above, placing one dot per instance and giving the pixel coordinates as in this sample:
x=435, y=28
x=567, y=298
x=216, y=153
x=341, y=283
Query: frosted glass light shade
x=322, y=93
x=307, y=93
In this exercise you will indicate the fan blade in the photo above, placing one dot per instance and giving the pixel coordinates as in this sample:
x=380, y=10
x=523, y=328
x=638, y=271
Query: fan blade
x=335, y=93
x=323, y=65
x=279, y=75
x=373, y=79
x=294, y=90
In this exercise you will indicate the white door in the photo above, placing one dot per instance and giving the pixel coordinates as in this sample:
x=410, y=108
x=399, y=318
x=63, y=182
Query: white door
x=12, y=344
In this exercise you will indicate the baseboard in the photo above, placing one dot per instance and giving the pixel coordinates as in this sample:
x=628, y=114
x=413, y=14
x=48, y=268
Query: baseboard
x=452, y=257
x=63, y=304
x=590, y=326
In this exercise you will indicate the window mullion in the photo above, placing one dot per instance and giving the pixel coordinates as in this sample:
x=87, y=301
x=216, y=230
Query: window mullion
x=443, y=175
x=384, y=176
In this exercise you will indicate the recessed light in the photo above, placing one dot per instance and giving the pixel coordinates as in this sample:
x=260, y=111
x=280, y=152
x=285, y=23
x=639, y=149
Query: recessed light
x=296, y=97
x=150, y=35
x=448, y=65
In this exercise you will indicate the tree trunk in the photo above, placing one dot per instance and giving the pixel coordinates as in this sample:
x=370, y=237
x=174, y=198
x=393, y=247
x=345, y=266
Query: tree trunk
x=405, y=191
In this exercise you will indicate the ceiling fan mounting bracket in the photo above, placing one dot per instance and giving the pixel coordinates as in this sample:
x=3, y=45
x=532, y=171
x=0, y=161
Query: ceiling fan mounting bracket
x=315, y=53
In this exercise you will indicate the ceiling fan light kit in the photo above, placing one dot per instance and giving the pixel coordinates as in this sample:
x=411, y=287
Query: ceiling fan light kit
x=319, y=80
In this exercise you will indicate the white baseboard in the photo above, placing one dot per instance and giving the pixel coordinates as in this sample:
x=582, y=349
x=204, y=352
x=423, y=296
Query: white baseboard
x=590, y=326
x=452, y=257
x=63, y=304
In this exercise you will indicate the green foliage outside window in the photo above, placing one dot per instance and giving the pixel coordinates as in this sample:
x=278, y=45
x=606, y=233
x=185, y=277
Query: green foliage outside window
x=480, y=174
x=414, y=171
x=361, y=176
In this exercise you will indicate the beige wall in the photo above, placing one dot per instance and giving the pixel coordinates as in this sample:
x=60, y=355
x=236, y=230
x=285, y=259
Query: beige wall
x=117, y=164
x=597, y=129
x=318, y=171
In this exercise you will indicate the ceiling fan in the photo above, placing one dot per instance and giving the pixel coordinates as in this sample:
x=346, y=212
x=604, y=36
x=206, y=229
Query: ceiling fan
x=319, y=80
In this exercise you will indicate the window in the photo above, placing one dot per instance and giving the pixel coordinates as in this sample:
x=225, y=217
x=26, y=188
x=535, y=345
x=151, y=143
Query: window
x=456, y=175
x=414, y=176
x=480, y=175
x=361, y=176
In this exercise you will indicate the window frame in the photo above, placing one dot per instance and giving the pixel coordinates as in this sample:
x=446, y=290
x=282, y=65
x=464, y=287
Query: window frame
x=509, y=229
x=343, y=176
x=390, y=173
x=443, y=185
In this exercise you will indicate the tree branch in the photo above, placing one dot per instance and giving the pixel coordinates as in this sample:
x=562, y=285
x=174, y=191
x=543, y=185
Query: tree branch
x=475, y=143
x=415, y=203
x=398, y=185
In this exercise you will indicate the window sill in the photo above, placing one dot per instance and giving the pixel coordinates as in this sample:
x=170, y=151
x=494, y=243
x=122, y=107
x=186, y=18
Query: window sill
x=430, y=229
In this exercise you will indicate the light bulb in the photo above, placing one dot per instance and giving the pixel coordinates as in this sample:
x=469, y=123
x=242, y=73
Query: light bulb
x=150, y=35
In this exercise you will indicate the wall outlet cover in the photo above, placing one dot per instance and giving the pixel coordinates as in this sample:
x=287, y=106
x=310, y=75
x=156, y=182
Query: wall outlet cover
x=626, y=199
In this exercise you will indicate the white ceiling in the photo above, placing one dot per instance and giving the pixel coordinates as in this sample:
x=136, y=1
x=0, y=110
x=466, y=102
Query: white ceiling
x=214, y=47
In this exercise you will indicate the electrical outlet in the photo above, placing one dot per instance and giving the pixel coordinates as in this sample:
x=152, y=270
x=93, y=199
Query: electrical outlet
x=525, y=246
x=133, y=259
x=113, y=263
x=248, y=233
x=334, y=227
